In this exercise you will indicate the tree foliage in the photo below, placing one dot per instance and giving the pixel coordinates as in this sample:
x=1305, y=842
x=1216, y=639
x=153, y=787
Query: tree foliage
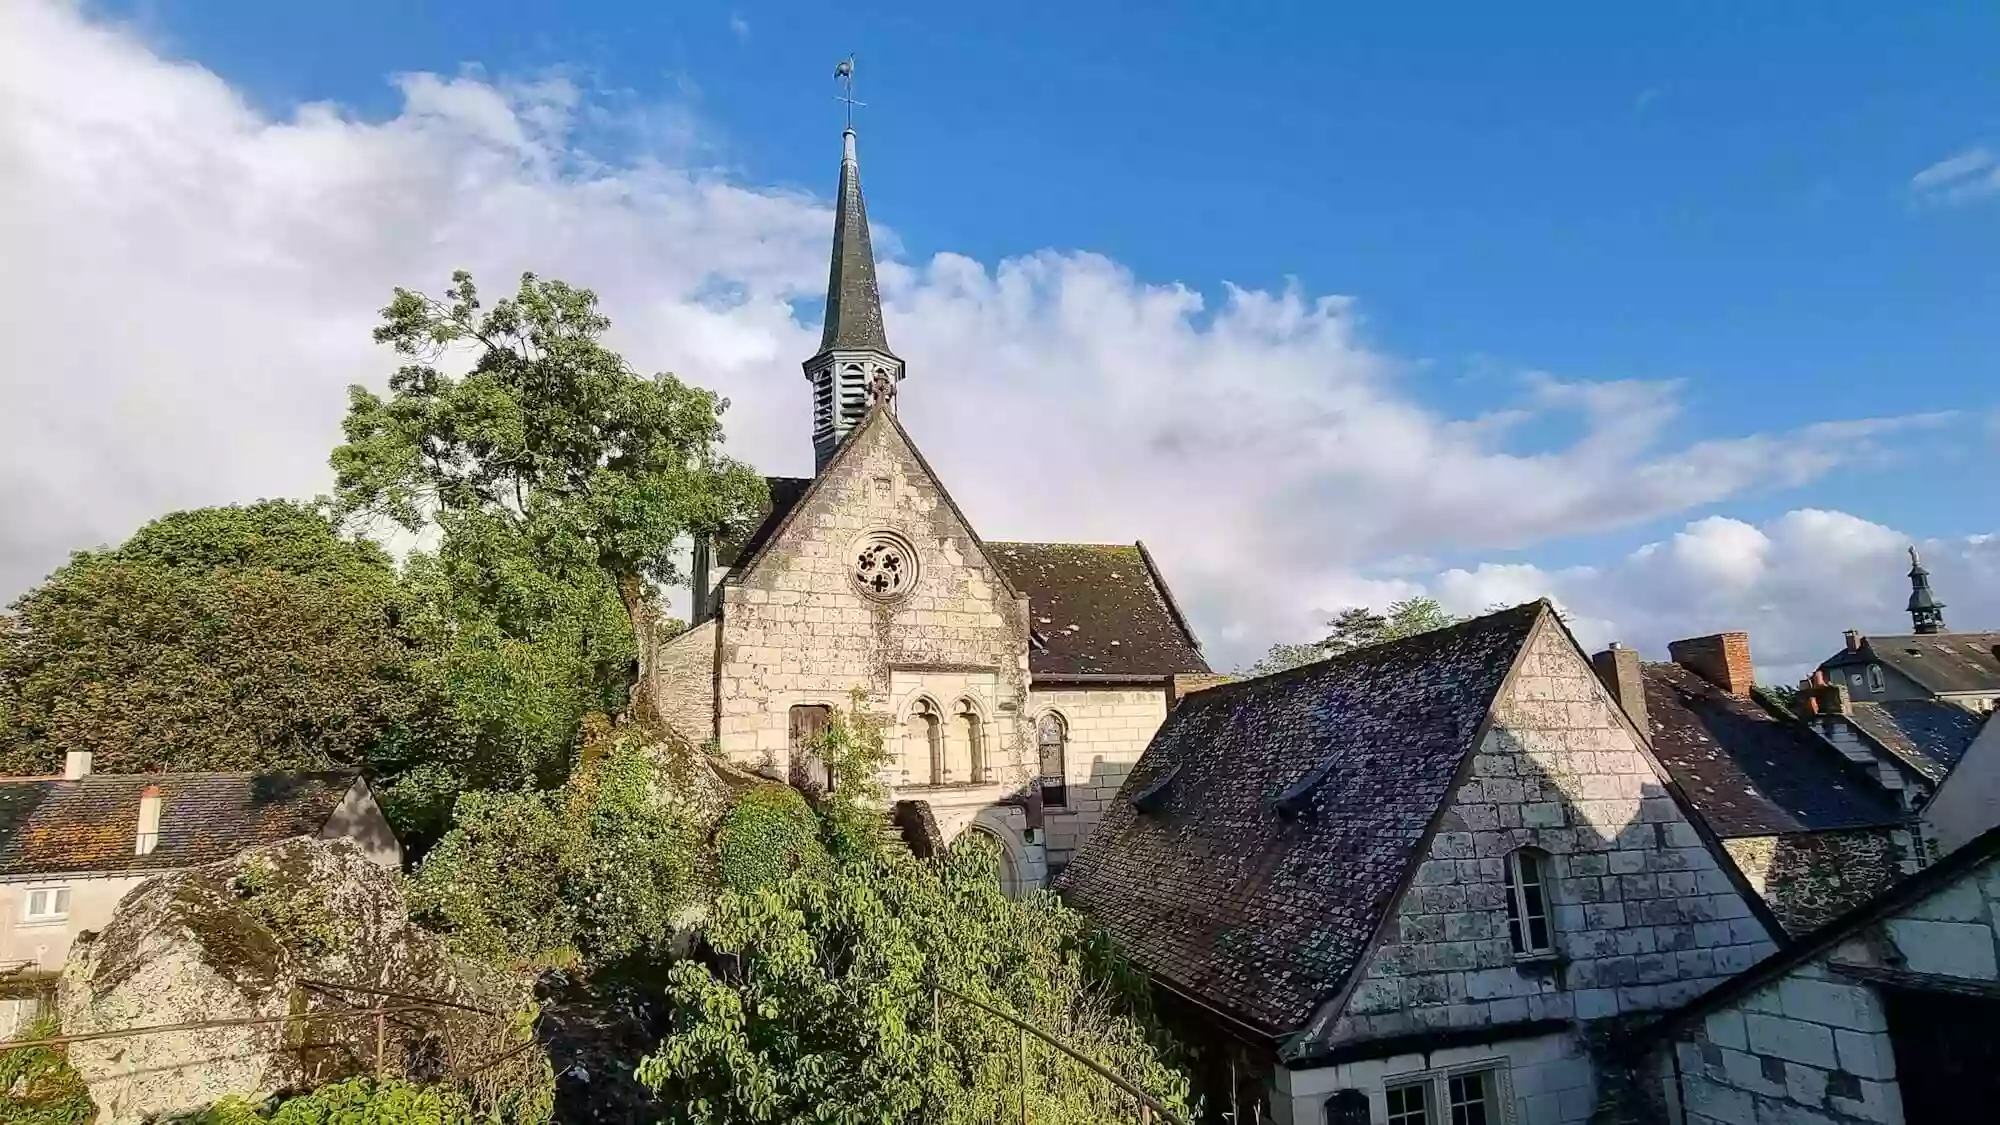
x=38, y=1084
x=1359, y=627
x=817, y=1001
x=768, y=833
x=220, y=638
x=591, y=467
x=595, y=871
x=356, y=1101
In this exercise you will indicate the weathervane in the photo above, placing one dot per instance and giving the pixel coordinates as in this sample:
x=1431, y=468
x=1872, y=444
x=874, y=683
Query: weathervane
x=845, y=73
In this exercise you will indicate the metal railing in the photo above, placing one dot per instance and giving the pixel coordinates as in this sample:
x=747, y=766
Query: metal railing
x=1150, y=1107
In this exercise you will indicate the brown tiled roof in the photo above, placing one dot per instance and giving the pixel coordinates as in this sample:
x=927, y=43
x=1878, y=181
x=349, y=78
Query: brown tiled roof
x=51, y=826
x=1929, y=735
x=1747, y=772
x=1098, y=609
x=1942, y=663
x=1262, y=917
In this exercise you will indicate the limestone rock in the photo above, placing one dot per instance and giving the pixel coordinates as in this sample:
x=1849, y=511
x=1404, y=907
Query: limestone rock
x=239, y=940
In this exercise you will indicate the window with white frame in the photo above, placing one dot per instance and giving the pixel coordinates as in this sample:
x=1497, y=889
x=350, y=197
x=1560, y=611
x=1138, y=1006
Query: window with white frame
x=45, y=904
x=1464, y=1096
x=148, y=836
x=1528, y=903
x=1874, y=677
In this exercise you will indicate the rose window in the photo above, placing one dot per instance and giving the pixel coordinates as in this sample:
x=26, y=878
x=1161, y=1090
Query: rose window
x=884, y=566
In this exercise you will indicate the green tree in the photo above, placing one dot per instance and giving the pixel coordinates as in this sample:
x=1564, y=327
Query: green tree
x=1359, y=627
x=585, y=875
x=817, y=1001
x=221, y=638
x=588, y=466
x=39, y=1085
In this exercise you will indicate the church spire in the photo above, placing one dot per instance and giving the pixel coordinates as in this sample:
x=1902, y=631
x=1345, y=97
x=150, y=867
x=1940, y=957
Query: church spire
x=1926, y=612
x=854, y=365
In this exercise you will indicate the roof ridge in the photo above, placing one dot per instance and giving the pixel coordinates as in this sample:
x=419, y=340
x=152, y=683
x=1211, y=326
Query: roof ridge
x=1485, y=620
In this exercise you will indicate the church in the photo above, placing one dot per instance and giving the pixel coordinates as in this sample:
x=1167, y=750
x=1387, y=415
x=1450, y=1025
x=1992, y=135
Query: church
x=1021, y=681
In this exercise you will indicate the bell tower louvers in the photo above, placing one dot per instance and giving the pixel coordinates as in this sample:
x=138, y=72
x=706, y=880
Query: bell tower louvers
x=854, y=365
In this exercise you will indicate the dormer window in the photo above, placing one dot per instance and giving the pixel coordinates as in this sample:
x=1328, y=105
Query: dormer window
x=149, y=822
x=1528, y=903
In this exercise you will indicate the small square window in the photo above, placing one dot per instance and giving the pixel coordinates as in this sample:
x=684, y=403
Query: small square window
x=1409, y=1105
x=45, y=904
x=1471, y=1098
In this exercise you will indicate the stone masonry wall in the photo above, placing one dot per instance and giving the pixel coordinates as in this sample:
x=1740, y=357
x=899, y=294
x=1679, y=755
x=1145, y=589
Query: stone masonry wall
x=1643, y=915
x=795, y=630
x=1810, y=878
x=1109, y=729
x=1813, y=1047
x=684, y=683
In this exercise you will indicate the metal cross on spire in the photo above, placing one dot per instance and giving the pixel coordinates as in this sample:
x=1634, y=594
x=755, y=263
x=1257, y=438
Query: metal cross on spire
x=845, y=73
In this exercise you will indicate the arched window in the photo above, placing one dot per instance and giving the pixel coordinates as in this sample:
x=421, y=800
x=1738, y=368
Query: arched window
x=1875, y=677
x=972, y=729
x=1528, y=902
x=924, y=742
x=1052, y=738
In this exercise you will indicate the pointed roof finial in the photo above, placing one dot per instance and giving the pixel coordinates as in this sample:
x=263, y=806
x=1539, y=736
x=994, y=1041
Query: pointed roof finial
x=844, y=72
x=1926, y=612
x=853, y=300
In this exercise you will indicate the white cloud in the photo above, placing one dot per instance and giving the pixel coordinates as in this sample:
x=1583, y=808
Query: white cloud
x=189, y=286
x=739, y=27
x=1793, y=583
x=1961, y=178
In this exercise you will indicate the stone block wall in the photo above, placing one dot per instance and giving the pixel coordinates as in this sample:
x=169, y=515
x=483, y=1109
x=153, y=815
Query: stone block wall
x=1545, y=1080
x=1109, y=728
x=1643, y=915
x=1814, y=1047
x=795, y=629
x=1810, y=878
x=684, y=683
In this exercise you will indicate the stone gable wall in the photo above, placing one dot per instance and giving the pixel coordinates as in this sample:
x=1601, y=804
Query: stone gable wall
x=684, y=683
x=1109, y=728
x=795, y=630
x=1643, y=915
x=1813, y=1046
x=1810, y=878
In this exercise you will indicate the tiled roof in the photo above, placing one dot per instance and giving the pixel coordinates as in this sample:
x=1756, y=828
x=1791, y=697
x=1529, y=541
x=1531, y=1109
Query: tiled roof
x=1938, y=662
x=1263, y=917
x=51, y=826
x=1097, y=609
x=1747, y=772
x=785, y=494
x=1928, y=734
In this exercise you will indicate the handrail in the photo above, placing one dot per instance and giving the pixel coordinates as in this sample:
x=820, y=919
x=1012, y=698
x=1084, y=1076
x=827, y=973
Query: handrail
x=434, y=1001
x=1150, y=1103
x=202, y=1025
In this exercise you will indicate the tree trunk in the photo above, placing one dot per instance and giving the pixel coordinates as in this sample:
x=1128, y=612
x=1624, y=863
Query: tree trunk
x=645, y=632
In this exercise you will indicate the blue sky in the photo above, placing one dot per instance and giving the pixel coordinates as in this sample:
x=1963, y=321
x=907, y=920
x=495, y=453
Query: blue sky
x=1723, y=206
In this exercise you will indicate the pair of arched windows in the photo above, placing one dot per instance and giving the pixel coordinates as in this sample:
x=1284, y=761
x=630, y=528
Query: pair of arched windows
x=935, y=753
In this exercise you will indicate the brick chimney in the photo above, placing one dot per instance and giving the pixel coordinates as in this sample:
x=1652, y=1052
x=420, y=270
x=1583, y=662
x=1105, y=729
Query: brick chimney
x=1618, y=667
x=1723, y=659
x=1822, y=698
x=76, y=764
x=1853, y=640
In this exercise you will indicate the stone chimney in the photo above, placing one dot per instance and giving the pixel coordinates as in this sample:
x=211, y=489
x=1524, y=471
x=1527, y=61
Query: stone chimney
x=1853, y=640
x=1618, y=667
x=76, y=764
x=1723, y=659
x=1823, y=698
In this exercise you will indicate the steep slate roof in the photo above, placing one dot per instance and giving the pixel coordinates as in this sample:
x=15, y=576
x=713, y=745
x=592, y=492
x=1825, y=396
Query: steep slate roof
x=1263, y=918
x=786, y=492
x=1930, y=735
x=1098, y=609
x=1938, y=662
x=1748, y=773
x=853, y=301
x=50, y=826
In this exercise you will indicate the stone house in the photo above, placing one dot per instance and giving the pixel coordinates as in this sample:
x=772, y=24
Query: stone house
x=1888, y=1014
x=71, y=846
x=1811, y=831
x=1420, y=882
x=1929, y=663
x=1020, y=680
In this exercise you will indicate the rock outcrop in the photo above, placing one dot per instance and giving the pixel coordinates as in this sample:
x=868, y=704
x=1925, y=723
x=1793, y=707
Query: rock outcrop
x=253, y=941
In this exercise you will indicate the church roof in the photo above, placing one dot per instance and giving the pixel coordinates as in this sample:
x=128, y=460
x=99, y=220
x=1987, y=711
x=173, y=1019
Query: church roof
x=786, y=492
x=1940, y=663
x=1263, y=916
x=853, y=301
x=1098, y=609
x=1748, y=773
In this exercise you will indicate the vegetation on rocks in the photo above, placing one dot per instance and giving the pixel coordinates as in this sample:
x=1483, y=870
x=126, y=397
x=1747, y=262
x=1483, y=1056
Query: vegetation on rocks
x=768, y=833
x=356, y=1101
x=38, y=1086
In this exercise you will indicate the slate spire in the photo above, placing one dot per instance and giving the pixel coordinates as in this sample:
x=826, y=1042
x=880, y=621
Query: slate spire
x=854, y=366
x=1926, y=612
